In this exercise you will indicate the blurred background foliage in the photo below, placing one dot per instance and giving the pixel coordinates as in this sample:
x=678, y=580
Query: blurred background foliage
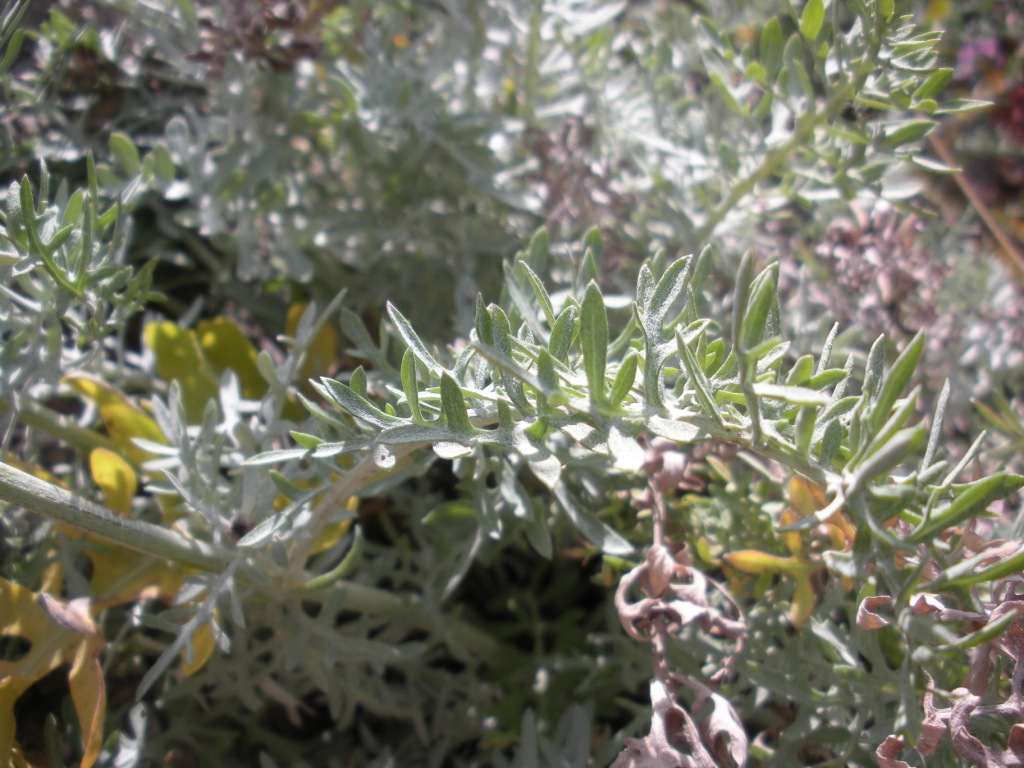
x=258, y=156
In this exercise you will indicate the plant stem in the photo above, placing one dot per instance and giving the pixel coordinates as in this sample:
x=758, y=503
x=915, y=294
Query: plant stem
x=41, y=497
x=32, y=414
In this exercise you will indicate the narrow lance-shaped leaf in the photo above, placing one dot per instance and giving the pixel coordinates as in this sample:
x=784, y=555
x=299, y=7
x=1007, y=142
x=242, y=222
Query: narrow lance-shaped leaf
x=539, y=290
x=937, y=421
x=594, y=340
x=896, y=421
x=770, y=47
x=413, y=341
x=483, y=321
x=755, y=320
x=562, y=332
x=536, y=256
x=453, y=405
x=889, y=455
x=701, y=385
x=502, y=332
x=357, y=405
x=895, y=380
x=811, y=19
x=411, y=387
x=668, y=289
x=972, y=500
x=624, y=379
x=644, y=288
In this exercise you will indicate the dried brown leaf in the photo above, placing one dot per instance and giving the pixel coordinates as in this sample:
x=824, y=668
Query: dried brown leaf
x=867, y=618
x=887, y=752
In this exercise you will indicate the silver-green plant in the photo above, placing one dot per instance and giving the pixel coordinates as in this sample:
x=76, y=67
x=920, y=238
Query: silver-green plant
x=422, y=632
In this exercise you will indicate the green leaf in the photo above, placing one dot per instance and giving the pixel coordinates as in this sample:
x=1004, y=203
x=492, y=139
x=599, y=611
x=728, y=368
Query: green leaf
x=126, y=154
x=968, y=573
x=886, y=9
x=13, y=48
x=538, y=289
x=413, y=341
x=308, y=442
x=512, y=383
x=453, y=406
x=668, y=289
x=594, y=340
x=895, y=380
x=934, y=84
x=803, y=430
x=411, y=386
x=905, y=132
x=770, y=47
x=677, y=431
x=812, y=19
x=936, y=433
x=791, y=395
x=702, y=387
x=562, y=332
x=801, y=371
x=624, y=379
x=986, y=634
x=588, y=270
x=594, y=242
x=754, y=322
x=536, y=256
x=889, y=455
x=970, y=501
x=356, y=405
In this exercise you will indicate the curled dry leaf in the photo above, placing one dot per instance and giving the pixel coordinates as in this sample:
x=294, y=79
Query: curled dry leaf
x=867, y=618
x=661, y=569
x=723, y=732
x=887, y=752
x=673, y=741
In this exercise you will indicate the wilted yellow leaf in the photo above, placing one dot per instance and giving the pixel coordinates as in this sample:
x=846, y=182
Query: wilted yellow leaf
x=115, y=477
x=805, y=497
x=203, y=644
x=803, y=602
x=753, y=561
x=179, y=358
x=793, y=540
x=122, y=418
x=226, y=347
x=60, y=634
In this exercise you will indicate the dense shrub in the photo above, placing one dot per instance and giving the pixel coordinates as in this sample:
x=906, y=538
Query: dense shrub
x=407, y=384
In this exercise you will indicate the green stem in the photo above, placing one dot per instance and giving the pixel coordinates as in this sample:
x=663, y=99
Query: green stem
x=779, y=156
x=60, y=505
x=32, y=414
x=349, y=484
